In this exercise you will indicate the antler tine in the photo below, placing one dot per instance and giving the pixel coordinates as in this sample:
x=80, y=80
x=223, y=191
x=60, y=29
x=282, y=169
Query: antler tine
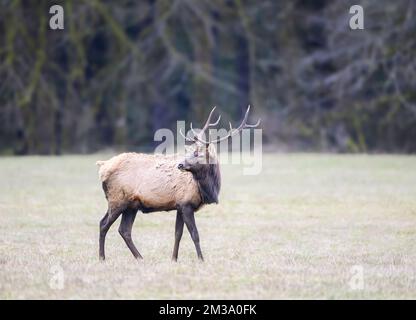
x=193, y=131
x=216, y=122
x=207, y=123
x=243, y=123
x=198, y=136
x=240, y=127
x=186, y=138
x=253, y=125
x=230, y=134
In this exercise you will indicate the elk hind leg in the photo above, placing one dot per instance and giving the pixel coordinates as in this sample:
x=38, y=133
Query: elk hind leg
x=106, y=222
x=127, y=220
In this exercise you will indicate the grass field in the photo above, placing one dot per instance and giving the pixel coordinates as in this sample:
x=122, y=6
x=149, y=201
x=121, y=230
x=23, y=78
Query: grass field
x=295, y=231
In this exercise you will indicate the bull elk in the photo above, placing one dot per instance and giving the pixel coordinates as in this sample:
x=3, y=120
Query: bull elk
x=135, y=181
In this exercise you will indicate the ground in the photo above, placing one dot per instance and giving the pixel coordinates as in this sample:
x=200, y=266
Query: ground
x=309, y=226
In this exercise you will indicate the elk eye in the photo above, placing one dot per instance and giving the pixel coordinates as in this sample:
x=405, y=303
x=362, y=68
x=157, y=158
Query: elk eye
x=195, y=153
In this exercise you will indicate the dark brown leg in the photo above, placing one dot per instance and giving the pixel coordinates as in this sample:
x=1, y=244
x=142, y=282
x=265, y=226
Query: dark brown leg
x=127, y=220
x=178, y=234
x=105, y=225
x=188, y=217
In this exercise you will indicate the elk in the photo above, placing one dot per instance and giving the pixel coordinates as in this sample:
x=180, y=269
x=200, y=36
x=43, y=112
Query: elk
x=149, y=183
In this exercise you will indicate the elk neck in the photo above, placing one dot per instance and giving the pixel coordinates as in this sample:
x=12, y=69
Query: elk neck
x=209, y=182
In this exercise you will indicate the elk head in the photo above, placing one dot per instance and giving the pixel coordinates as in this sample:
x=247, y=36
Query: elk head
x=202, y=152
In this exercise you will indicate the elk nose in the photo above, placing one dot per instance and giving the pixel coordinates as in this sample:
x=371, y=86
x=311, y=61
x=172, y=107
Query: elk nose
x=180, y=166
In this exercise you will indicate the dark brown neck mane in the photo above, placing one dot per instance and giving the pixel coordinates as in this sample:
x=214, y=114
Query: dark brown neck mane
x=209, y=183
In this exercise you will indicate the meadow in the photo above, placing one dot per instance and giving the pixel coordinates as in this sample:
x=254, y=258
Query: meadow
x=306, y=227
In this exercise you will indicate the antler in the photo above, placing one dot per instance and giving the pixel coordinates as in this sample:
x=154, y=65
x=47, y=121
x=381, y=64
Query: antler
x=186, y=138
x=242, y=126
x=198, y=136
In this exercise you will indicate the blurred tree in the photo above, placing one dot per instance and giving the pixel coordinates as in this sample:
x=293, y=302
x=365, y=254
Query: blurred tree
x=122, y=69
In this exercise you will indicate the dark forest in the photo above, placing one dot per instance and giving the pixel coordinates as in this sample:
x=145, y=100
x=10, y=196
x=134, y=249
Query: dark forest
x=122, y=69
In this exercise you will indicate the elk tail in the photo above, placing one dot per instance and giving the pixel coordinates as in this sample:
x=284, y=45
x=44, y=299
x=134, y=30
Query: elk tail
x=100, y=163
x=102, y=172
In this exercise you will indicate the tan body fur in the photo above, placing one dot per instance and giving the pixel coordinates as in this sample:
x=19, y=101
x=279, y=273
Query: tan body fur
x=148, y=182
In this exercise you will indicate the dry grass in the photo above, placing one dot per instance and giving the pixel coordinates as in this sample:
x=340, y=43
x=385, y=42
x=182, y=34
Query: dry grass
x=293, y=232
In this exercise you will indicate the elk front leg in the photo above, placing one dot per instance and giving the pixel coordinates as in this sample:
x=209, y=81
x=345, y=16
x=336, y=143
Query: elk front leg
x=178, y=234
x=189, y=219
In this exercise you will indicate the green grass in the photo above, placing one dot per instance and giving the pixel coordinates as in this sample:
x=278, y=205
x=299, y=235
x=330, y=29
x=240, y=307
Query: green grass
x=295, y=231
